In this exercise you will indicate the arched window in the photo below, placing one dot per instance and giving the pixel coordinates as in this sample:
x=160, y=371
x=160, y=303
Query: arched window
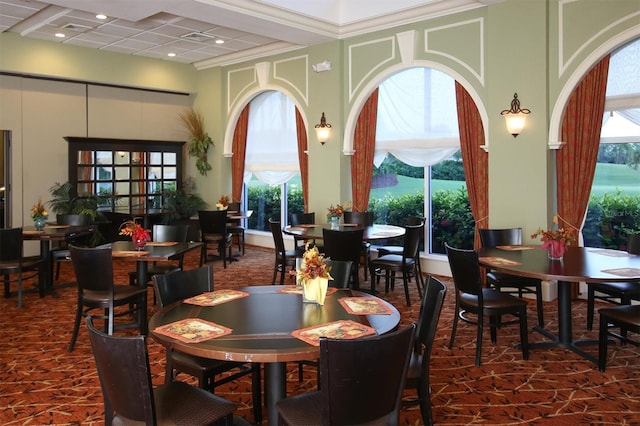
x=417, y=163
x=272, y=170
x=614, y=205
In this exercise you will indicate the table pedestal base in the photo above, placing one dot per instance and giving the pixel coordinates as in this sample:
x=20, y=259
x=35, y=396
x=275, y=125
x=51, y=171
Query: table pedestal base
x=275, y=374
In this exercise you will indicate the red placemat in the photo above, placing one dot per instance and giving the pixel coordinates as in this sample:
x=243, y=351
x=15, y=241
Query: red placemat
x=624, y=272
x=343, y=329
x=129, y=253
x=161, y=243
x=364, y=306
x=297, y=289
x=499, y=261
x=216, y=297
x=193, y=330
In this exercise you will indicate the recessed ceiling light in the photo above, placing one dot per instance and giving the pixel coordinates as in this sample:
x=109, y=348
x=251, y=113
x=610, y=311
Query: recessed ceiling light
x=171, y=54
x=219, y=41
x=101, y=16
x=60, y=35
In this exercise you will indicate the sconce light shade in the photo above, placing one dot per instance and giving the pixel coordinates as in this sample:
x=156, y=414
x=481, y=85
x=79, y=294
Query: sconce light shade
x=323, y=130
x=515, y=117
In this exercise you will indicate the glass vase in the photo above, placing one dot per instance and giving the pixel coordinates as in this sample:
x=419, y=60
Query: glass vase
x=139, y=243
x=315, y=290
x=556, y=249
x=39, y=222
x=334, y=222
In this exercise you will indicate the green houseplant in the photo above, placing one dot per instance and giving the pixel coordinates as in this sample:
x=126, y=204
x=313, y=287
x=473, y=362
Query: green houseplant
x=199, y=141
x=62, y=202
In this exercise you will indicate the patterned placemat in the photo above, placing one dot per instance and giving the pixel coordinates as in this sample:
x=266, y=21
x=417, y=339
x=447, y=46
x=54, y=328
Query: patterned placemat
x=161, y=243
x=516, y=247
x=624, y=272
x=499, y=261
x=343, y=329
x=611, y=253
x=297, y=289
x=193, y=330
x=129, y=253
x=364, y=306
x=57, y=226
x=307, y=225
x=217, y=297
x=32, y=232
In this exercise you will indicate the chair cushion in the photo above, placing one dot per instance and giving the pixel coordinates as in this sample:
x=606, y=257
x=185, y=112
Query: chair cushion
x=301, y=409
x=629, y=289
x=627, y=314
x=506, y=280
x=492, y=299
x=120, y=293
x=179, y=403
x=391, y=261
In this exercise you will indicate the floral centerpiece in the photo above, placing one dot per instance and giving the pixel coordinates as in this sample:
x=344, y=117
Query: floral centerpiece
x=336, y=211
x=313, y=275
x=39, y=215
x=223, y=202
x=555, y=241
x=139, y=235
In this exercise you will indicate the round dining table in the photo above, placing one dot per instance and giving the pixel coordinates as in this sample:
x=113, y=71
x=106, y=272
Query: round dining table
x=579, y=264
x=371, y=233
x=262, y=325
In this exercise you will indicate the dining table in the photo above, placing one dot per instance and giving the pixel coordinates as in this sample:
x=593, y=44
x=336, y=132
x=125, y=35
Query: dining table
x=268, y=324
x=579, y=264
x=49, y=234
x=152, y=252
x=371, y=233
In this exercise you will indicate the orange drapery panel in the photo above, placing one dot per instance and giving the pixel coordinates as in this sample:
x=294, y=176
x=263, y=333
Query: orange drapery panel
x=364, y=144
x=576, y=160
x=475, y=159
x=303, y=158
x=239, y=148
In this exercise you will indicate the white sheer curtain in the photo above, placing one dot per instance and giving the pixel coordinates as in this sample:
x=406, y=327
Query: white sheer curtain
x=417, y=118
x=272, y=145
x=621, y=122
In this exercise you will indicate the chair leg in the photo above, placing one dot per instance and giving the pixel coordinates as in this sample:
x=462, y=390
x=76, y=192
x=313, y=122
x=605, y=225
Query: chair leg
x=455, y=326
x=20, y=289
x=405, y=282
x=168, y=367
x=76, y=325
x=540, y=305
x=275, y=273
x=479, y=339
x=524, y=339
x=590, y=307
x=603, y=342
x=424, y=399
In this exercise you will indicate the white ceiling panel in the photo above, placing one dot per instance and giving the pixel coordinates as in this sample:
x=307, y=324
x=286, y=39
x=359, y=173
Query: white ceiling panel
x=155, y=28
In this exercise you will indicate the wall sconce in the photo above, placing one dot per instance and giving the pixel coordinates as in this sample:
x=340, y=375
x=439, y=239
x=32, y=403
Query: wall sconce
x=322, y=66
x=515, y=117
x=323, y=130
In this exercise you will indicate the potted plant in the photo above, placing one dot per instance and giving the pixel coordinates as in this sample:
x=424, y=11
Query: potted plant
x=199, y=141
x=183, y=204
x=62, y=202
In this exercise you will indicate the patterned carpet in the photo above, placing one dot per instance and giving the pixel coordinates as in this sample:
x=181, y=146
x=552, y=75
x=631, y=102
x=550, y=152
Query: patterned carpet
x=42, y=383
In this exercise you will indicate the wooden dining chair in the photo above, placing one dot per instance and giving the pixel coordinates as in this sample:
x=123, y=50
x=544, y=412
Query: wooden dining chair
x=211, y=373
x=129, y=394
x=397, y=249
x=214, y=234
x=473, y=298
x=235, y=228
x=356, y=387
x=363, y=219
x=507, y=283
x=344, y=245
x=419, y=366
x=60, y=253
x=14, y=266
x=296, y=219
x=283, y=258
x=93, y=268
x=404, y=263
x=625, y=317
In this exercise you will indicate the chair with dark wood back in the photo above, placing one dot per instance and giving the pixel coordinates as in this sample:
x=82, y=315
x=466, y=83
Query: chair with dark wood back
x=363, y=219
x=356, y=386
x=14, y=263
x=405, y=263
x=235, y=229
x=96, y=290
x=620, y=293
x=129, y=395
x=214, y=234
x=391, y=249
x=344, y=245
x=508, y=283
x=473, y=298
x=180, y=285
x=418, y=373
x=60, y=253
x=296, y=219
x=627, y=318
x=283, y=257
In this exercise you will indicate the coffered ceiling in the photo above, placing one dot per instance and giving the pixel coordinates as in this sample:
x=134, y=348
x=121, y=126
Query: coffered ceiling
x=207, y=33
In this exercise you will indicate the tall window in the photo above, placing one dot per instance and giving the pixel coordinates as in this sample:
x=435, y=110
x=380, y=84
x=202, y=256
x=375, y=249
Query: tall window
x=614, y=205
x=417, y=137
x=272, y=171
